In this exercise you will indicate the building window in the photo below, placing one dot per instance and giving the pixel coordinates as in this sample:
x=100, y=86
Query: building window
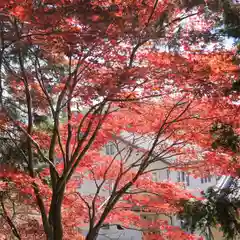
x=179, y=176
x=183, y=177
x=206, y=179
x=168, y=174
x=218, y=178
x=187, y=180
x=209, y=178
x=109, y=149
x=154, y=176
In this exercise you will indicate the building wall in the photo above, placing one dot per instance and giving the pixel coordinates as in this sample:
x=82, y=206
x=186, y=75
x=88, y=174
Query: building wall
x=159, y=169
x=160, y=173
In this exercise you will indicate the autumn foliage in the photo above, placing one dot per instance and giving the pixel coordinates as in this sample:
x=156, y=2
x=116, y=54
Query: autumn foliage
x=78, y=74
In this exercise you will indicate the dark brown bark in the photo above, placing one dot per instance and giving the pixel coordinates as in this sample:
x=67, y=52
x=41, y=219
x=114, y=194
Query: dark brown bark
x=92, y=234
x=55, y=216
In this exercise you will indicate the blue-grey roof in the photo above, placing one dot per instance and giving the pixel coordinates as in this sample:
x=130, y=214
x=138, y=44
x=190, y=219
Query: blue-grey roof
x=229, y=186
x=114, y=234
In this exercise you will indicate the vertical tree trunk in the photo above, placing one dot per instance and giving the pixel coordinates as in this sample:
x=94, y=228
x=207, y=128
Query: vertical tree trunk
x=55, y=215
x=92, y=234
x=57, y=222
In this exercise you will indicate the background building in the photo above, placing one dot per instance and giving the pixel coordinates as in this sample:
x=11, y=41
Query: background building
x=160, y=173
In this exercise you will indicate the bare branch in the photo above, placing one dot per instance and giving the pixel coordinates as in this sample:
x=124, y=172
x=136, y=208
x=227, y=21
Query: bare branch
x=9, y=220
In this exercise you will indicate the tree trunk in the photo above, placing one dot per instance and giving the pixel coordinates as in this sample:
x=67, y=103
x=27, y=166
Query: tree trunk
x=55, y=215
x=92, y=234
x=57, y=222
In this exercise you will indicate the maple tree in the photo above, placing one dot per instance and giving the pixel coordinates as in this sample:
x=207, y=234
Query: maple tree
x=76, y=75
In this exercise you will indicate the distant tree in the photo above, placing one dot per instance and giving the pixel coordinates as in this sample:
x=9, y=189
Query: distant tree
x=216, y=211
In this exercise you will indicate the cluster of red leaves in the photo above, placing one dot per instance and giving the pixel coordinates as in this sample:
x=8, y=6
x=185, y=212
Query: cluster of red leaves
x=75, y=212
x=20, y=188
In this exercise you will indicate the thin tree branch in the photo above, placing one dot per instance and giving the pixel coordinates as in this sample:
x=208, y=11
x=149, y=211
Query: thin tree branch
x=9, y=220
